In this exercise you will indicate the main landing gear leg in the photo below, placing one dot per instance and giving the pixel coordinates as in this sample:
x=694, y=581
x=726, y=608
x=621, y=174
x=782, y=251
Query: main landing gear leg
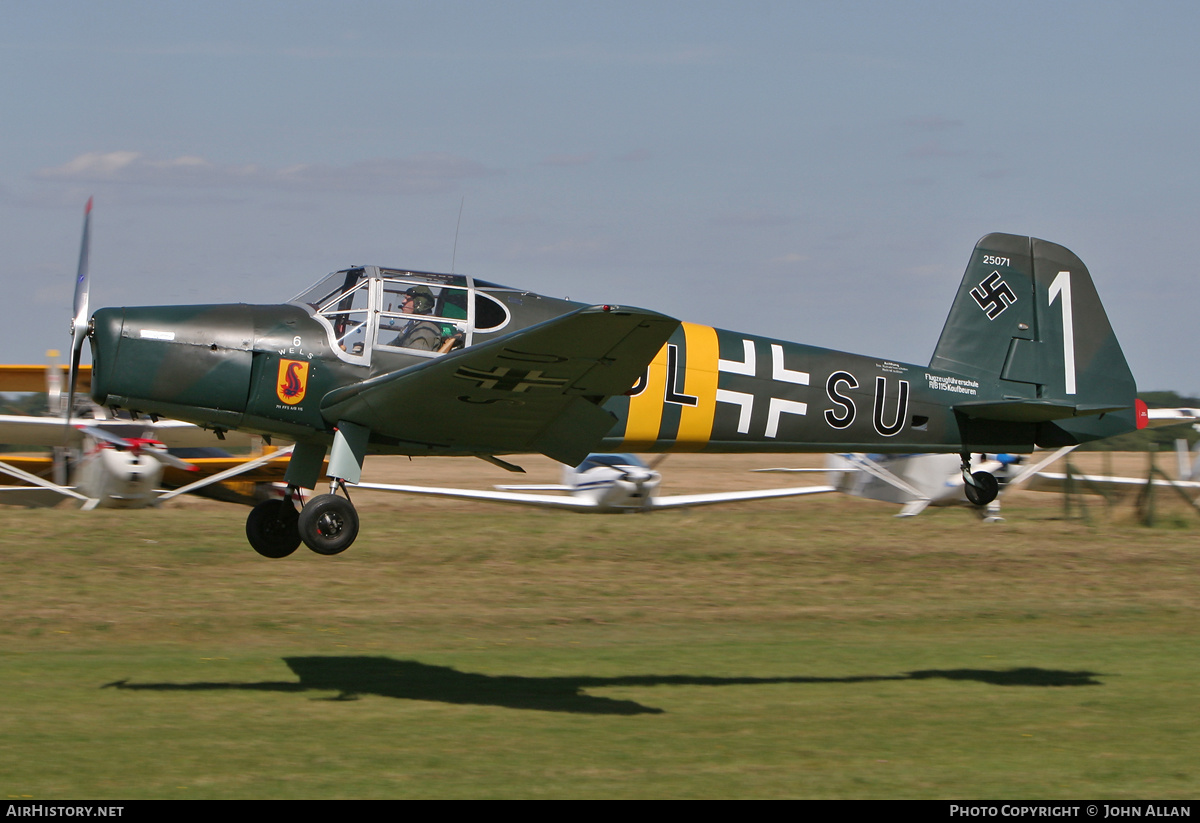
x=981, y=487
x=328, y=524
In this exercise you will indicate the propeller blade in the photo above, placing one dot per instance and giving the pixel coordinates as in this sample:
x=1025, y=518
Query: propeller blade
x=97, y=433
x=168, y=459
x=80, y=319
x=139, y=446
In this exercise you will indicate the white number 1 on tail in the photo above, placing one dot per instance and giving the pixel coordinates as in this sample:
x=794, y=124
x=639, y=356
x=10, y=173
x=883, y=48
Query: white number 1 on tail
x=1062, y=285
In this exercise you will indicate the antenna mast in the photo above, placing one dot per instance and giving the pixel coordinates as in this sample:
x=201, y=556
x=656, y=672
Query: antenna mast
x=454, y=253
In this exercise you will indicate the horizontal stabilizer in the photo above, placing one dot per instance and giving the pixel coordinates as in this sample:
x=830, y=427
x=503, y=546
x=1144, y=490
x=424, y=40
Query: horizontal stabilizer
x=1032, y=411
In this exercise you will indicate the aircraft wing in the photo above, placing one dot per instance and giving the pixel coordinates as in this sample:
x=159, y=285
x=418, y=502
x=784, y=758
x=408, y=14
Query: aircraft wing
x=549, y=501
x=24, y=430
x=272, y=471
x=679, y=501
x=1097, y=484
x=33, y=464
x=34, y=378
x=1161, y=417
x=536, y=390
x=176, y=434
x=545, y=501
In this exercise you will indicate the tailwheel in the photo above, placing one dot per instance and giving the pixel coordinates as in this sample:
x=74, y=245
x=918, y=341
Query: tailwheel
x=328, y=524
x=984, y=488
x=272, y=528
x=980, y=487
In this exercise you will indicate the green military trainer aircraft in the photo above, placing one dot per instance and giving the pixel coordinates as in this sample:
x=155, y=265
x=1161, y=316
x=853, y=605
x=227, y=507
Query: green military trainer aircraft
x=374, y=360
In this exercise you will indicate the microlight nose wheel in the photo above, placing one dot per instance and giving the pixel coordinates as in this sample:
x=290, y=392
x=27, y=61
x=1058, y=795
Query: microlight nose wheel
x=271, y=528
x=328, y=524
x=984, y=490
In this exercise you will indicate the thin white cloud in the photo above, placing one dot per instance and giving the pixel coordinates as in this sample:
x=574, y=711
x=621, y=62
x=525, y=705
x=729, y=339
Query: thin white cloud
x=426, y=173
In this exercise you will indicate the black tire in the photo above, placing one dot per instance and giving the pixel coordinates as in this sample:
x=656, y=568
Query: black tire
x=271, y=528
x=328, y=524
x=985, y=490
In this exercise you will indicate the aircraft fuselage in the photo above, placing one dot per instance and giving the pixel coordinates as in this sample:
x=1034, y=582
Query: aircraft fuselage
x=720, y=391
x=264, y=369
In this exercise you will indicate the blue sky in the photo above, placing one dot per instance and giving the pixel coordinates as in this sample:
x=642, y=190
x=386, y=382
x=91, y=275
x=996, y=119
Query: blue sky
x=814, y=171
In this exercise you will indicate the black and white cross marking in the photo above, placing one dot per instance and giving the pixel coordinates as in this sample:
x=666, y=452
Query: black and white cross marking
x=777, y=406
x=502, y=378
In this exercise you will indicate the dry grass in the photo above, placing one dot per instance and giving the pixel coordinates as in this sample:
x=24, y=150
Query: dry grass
x=812, y=648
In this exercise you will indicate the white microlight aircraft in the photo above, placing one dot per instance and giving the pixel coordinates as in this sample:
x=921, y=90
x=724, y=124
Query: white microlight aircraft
x=602, y=484
x=615, y=483
x=120, y=463
x=918, y=481
x=1187, y=470
x=109, y=462
x=1187, y=482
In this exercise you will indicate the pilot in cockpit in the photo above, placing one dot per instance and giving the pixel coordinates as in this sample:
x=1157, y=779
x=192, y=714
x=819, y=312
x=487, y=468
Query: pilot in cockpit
x=418, y=334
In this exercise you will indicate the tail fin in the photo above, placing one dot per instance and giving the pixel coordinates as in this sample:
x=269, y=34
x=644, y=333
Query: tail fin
x=1028, y=325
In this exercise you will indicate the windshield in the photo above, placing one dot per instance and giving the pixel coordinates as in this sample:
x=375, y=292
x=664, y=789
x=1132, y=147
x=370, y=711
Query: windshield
x=320, y=294
x=612, y=460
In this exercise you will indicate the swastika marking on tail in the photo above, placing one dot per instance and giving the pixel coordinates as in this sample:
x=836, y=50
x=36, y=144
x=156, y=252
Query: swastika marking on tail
x=993, y=295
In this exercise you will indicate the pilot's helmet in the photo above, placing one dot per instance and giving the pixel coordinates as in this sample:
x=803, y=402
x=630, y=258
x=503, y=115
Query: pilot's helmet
x=422, y=299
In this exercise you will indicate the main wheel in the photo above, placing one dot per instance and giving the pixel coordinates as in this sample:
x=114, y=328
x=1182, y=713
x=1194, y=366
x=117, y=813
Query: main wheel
x=985, y=489
x=271, y=528
x=328, y=524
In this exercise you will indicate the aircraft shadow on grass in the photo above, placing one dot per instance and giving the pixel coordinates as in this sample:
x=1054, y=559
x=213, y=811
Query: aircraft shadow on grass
x=353, y=677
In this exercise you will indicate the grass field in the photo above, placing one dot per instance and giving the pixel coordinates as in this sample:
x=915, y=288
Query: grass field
x=812, y=648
